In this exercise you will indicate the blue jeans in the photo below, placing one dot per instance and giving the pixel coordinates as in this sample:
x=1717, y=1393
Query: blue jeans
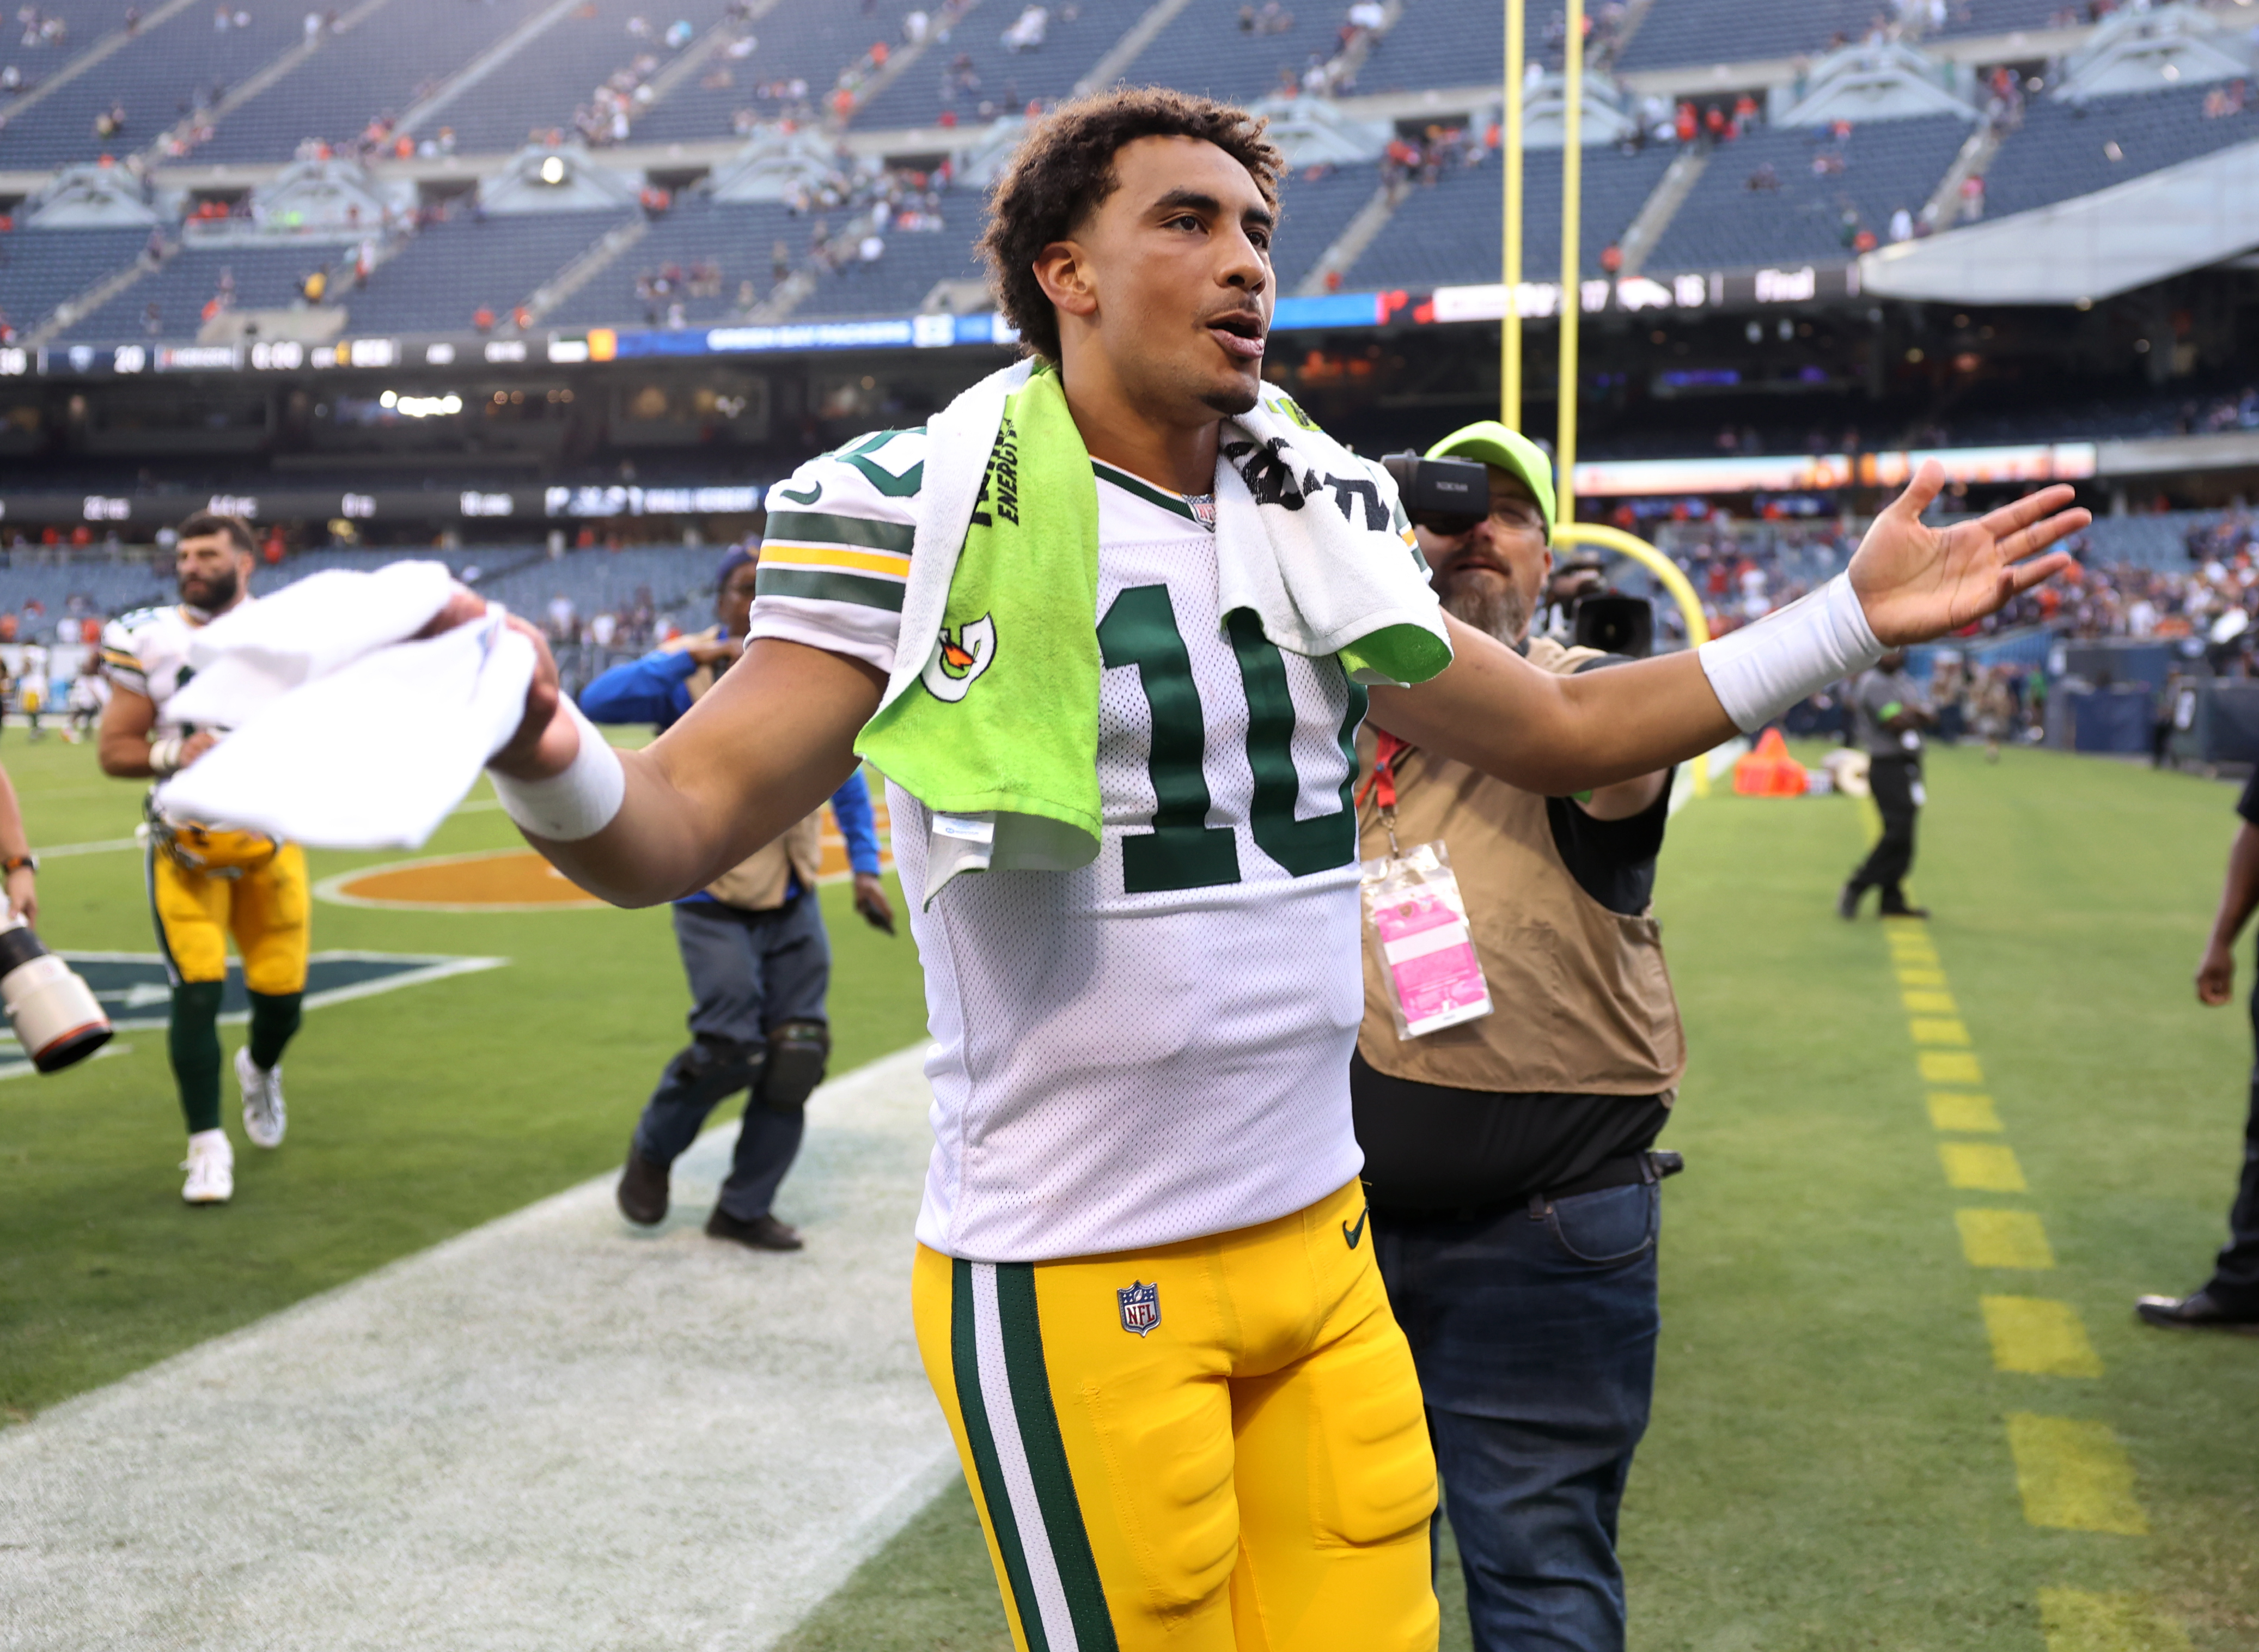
x=1534, y=1332
x=749, y=971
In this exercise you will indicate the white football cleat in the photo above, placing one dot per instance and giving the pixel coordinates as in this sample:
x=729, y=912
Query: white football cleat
x=211, y=1165
x=264, y=1116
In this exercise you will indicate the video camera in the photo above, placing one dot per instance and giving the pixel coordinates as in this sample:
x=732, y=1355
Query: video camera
x=1443, y=495
x=1599, y=616
x=55, y=1015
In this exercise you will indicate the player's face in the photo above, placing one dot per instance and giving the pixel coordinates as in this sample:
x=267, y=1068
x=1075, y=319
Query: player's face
x=1174, y=270
x=210, y=570
x=733, y=604
x=1489, y=577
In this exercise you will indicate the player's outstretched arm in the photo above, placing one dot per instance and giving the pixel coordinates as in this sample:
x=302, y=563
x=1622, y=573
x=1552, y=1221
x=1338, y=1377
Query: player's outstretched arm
x=1907, y=583
x=763, y=750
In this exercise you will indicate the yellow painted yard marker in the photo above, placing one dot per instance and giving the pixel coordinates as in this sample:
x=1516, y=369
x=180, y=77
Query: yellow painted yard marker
x=2004, y=1239
x=1943, y=1066
x=2035, y=1336
x=1929, y=1003
x=2078, y=1621
x=1985, y=1167
x=2074, y=1475
x=1932, y=1029
x=1908, y=976
x=1972, y=1115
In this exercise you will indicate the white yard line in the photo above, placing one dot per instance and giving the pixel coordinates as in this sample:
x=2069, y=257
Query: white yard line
x=551, y=1431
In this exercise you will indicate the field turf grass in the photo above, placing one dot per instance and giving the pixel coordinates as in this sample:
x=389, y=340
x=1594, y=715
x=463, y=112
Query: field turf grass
x=414, y=1115
x=1828, y=1467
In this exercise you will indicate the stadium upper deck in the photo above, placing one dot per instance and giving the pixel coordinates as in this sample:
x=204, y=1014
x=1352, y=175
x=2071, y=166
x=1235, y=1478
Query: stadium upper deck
x=433, y=96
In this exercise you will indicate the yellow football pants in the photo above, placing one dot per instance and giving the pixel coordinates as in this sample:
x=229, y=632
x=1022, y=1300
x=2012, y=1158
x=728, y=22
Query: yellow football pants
x=1250, y=1473
x=265, y=908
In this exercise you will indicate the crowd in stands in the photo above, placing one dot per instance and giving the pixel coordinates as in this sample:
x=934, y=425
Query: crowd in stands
x=851, y=215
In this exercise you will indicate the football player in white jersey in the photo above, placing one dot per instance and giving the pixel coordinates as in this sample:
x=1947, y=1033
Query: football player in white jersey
x=1141, y=1290
x=207, y=880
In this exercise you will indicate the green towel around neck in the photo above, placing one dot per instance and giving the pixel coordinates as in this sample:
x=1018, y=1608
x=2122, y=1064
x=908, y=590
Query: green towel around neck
x=1006, y=720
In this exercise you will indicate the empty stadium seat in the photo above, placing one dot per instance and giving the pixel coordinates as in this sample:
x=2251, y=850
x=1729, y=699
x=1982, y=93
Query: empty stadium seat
x=264, y=278
x=807, y=40
x=168, y=68
x=738, y=236
x=1449, y=233
x=2065, y=149
x=42, y=269
x=449, y=269
x=1886, y=165
x=380, y=66
x=1075, y=38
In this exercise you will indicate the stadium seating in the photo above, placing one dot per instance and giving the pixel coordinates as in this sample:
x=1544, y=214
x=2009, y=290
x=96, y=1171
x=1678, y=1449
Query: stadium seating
x=156, y=78
x=738, y=236
x=810, y=41
x=1075, y=38
x=1448, y=232
x=1676, y=32
x=1204, y=50
x=451, y=268
x=264, y=278
x=2064, y=149
x=1724, y=222
x=1313, y=213
x=897, y=283
x=41, y=268
x=540, y=85
x=1454, y=43
x=378, y=66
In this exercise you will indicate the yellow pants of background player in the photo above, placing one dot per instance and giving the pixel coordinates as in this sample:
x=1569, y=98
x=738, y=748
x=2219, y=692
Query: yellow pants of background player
x=266, y=908
x=1249, y=1474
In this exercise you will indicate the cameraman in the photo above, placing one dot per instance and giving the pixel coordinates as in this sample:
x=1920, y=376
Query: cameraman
x=1513, y=1198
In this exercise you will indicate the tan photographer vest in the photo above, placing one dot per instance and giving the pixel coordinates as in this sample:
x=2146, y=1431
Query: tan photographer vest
x=759, y=883
x=1582, y=1002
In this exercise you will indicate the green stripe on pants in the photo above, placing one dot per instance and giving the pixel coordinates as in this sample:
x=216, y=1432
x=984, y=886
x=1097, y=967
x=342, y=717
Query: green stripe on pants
x=964, y=1362
x=1046, y=1452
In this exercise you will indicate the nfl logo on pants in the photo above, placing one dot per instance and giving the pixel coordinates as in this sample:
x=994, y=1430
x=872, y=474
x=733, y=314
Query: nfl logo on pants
x=1140, y=1307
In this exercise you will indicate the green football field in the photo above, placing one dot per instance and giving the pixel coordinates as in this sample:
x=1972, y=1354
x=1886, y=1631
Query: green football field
x=1879, y=1422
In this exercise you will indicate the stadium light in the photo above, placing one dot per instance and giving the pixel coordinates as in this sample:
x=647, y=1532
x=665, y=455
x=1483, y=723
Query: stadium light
x=552, y=169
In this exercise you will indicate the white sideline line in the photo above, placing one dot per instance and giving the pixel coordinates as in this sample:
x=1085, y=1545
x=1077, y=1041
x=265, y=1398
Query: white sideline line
x=553, y=1431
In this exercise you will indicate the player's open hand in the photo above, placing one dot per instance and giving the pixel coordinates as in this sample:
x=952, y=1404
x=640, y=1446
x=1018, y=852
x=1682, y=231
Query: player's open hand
x=1917, y=582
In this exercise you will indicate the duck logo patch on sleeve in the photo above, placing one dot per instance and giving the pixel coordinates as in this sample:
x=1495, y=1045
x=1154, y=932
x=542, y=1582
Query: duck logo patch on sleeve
x=959, y=660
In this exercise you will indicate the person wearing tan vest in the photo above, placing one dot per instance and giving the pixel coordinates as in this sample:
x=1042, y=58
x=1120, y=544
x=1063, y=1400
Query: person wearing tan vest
x=1513, y=1193
x=754, y=947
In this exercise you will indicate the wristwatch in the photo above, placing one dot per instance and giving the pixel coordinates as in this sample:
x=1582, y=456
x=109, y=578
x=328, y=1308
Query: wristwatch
x=18, y=863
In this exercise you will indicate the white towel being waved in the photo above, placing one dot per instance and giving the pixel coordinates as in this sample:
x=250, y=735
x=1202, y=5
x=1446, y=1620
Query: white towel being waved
x=347, y=732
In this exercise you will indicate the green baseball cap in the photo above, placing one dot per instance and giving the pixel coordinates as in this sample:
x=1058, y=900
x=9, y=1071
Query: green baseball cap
x=1490, y=443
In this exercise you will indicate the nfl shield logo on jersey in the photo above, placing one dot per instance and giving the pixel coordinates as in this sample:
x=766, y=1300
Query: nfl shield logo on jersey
x=1141, y=1307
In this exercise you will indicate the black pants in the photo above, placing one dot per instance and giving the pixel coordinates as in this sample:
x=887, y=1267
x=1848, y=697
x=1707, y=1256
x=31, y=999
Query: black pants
x=1896, y=780
x=2235, y=1278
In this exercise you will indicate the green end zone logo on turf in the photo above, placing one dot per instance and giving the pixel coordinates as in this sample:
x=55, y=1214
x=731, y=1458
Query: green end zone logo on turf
x=136, y=994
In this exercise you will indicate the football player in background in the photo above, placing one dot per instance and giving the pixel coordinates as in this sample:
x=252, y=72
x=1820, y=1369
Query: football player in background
x=1142, y=1290
x=207, y=880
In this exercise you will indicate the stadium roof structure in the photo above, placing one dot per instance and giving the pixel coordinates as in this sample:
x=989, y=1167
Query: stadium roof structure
x=2092, y=246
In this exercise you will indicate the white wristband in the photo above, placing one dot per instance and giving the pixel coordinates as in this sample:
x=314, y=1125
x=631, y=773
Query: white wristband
x=578, y=803
x=1761, y=670
x=165, y=756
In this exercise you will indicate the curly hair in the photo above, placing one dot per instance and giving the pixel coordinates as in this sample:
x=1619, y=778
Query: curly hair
x=1065, y=169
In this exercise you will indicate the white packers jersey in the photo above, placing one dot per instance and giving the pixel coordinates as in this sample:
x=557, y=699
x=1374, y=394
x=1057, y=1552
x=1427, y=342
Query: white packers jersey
x=1154, y=1047
x=147, y=652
